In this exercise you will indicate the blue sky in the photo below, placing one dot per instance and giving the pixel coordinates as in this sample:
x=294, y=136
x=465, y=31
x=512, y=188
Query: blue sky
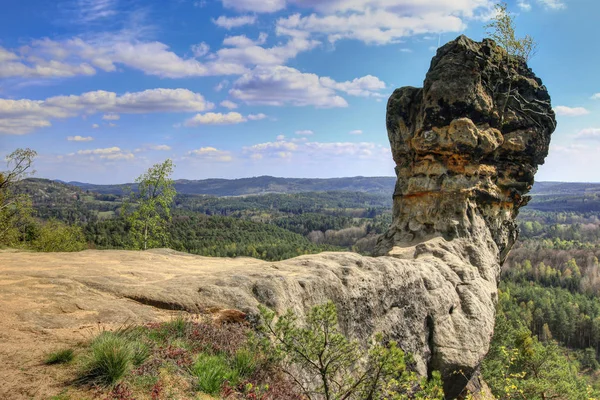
x=102, y=89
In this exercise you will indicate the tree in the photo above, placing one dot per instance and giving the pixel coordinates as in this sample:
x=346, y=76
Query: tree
x=15, y=209
x=502, y=30
x=152, y=206
x=325, y=364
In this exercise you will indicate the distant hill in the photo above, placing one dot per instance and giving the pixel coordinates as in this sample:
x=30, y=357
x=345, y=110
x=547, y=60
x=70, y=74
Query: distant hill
x=564, y=188
x=269, y=184
x=264, y=185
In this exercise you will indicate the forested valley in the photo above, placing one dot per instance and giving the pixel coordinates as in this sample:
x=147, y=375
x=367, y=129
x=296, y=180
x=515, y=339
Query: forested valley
x=548, y=324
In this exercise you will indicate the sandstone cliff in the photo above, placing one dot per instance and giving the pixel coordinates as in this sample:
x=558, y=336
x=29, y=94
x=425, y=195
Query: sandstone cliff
x=466, y=152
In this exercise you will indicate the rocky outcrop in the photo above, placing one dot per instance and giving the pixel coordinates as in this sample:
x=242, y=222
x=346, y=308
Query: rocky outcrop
x=466, y=145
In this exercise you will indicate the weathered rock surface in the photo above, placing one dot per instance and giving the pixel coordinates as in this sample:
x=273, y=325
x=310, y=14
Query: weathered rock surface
x=465, y=162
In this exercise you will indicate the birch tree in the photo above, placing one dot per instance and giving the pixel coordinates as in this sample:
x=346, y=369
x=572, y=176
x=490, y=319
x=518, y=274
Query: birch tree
x=152, y=206
x=15, y=209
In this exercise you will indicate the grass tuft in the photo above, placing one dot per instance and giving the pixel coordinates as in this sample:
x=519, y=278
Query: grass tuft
x=110, y=358
x=60, y=357
x=212, y=372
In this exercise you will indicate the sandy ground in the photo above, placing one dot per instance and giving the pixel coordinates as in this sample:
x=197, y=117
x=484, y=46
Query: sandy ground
x=49, y=301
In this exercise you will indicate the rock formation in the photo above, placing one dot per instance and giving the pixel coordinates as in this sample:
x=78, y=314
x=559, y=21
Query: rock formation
x=466, y=145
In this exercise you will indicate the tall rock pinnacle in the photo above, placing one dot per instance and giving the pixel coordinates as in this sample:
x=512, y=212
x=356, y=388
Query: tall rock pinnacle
x=467, y=145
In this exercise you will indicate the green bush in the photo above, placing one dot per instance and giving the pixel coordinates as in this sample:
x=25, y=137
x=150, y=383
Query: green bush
x=54, y=236
x=60, y=357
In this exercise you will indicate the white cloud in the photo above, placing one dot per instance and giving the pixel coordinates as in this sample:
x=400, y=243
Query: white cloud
x=109, y=153
x=244, y=41
x=324, y=150
x=570, y=111
x=271, y=148
x=107, y=150
x=257, y=117
x=588, y=134
x=75, y=56
x=200, y=49
x=553, y=4
x=111, y=117
x=23, y=116
x=279, y=138
x=365, y=86
x=243, y=51
x=93, y=10
x=596, y=96
x=229, y=104
x=524, y=5
x=356, y=132
x=221, y=85
x=211, y=154
x=234, y=22
x=305, y=132
x=80, y=138
x=215, y=119
x=160, y=147
x=360, y=150
x=259, y=6
x=383, y=21
x=280, y=85
x=13, y=65
x=95, y=126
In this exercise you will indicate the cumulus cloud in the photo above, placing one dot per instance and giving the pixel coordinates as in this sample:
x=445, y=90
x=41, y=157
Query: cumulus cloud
x=570, y=111
x=95, y=126
x=259, y=6
x=108, y=153
x=279, y=85
x=75, y=56
x=304, y=132
x=229, y=104
x=111, y=117
x=596, y=96
x=553, y=4
x=524, y=5
x=244, y=51
x=24, y=115
x=365, y=86
x=80, y=138
x=382, y=21
x=13, y=65
x=284, y=85
x=588, y=134
x=257, y=117
x=211, y=154
x=234, y=22
x=200, y=49
x=215, y=119
x=356, y=132
x=160, y=147
x=282, y=148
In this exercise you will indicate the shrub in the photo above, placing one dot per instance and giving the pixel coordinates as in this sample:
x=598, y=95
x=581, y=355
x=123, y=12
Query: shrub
x=60, y=357
x=325, y=364
x=55, y=236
